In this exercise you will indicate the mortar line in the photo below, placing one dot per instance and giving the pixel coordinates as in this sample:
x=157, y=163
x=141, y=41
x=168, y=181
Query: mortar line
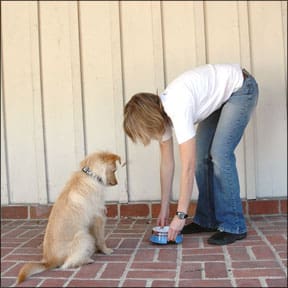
x=278, y=259
x=228, y=264
x=131, y=260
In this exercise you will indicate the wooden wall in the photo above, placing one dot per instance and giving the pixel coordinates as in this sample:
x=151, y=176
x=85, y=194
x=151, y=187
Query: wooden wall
x=68, y=68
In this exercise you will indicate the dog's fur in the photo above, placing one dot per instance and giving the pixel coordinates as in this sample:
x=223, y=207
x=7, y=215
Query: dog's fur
x=75, y=228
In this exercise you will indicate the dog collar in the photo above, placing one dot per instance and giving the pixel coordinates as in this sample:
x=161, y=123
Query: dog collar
x=88, y=172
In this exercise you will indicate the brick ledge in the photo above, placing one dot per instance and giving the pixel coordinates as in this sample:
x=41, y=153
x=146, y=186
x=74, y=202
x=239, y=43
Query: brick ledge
x=143, y=209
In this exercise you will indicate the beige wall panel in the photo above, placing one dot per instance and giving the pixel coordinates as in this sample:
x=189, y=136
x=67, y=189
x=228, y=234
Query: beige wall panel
x=138, y=72
x=179, y=38
x=61, y=91
x=62, y=95
x=223, y=46
x=4, y=179
x=269, y=67
x=284, y=32
x=222, y=32
x=180, y=34
x=21, y=76
x=100, y=75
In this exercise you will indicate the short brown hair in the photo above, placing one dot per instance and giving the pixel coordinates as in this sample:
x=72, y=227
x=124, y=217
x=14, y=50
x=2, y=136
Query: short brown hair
x=145, y=118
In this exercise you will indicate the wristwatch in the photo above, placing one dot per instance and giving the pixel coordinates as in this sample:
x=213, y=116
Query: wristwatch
x=181, y=215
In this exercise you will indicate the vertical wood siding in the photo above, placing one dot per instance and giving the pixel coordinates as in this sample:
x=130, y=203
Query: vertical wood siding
x=68, y=68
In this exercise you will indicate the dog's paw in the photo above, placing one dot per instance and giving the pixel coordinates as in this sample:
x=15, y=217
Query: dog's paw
x=107, y=251
x=89, y=261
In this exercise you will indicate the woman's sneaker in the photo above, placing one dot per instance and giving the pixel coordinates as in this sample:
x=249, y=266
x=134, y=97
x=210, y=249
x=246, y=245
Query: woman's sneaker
x=224, y=238
x=195, y=228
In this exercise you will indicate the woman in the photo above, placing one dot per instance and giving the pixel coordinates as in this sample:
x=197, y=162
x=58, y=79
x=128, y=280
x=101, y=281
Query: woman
x=220, y=98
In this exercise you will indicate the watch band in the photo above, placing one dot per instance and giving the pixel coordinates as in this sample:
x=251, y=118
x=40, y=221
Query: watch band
x=181, y=215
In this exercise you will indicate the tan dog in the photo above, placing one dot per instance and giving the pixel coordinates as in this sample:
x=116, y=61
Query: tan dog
x=75, y=228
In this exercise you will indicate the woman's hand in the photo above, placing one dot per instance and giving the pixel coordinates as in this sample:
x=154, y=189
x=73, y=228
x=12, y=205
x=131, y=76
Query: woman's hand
x=163, y=218
x=175, y=228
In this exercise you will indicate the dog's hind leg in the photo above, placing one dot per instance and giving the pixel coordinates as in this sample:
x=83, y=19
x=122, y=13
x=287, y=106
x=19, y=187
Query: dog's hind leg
x=99, y=234
x=81, y=249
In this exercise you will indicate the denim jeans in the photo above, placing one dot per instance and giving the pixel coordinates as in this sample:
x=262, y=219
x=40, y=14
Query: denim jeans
x=219, y=203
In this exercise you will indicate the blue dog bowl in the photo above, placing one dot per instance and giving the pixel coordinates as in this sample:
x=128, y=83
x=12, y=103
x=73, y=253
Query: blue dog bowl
x=160, y=236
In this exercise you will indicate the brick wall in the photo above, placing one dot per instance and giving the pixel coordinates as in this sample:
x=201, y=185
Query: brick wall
x=143, y=210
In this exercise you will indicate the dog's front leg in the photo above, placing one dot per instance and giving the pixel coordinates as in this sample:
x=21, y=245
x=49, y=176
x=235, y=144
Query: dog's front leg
x=99, y=234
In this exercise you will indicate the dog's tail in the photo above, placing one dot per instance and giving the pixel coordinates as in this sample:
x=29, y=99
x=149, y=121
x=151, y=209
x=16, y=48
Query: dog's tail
x=32, y=268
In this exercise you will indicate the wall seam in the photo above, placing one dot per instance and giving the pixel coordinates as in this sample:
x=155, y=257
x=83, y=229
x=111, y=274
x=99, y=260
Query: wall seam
x=42, y=103
x=8, y=187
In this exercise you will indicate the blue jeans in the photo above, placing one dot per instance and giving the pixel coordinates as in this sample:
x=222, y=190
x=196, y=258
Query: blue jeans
x=219, y=203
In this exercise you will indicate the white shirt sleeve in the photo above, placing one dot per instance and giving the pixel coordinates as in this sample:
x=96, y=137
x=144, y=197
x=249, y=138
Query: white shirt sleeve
x=183, y=123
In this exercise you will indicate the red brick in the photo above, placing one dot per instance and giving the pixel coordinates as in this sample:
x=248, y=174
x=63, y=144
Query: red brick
x=248, y=283
x=209, y=250
x=162, y=283
x=276, y=282
x=144, y=255
x=5, y=265
x=13, y=233
x=136, y=283
x=53, y=283
x=134, y=210
x=198, y=258
x=93, y=283
x=276, y=239
x=112, y=210
x=215, y=270
x=165, y=255
x=244, y=207
x=40, y=211
x=89, y=271
x=263, y=252
x=14, y=212
x=30, y=282
x=154, y=265
x=155, y=209
x=238, y=253
x=129, y=243
x=190, y=241
x=257, y=272
x=114, y=270
x=57, y=273
x=110, y=258
x=7, y=282
x=173, y=209
x=255, y=264
x=191, y=271
x=23, y=257
x=263, y=207
x=147, y=274
x=205, y=283
x=283, y=206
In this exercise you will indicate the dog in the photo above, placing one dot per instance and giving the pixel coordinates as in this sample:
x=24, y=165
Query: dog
x=75, y=229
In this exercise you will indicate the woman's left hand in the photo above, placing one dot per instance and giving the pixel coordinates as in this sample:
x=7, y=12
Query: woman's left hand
x=176, y=226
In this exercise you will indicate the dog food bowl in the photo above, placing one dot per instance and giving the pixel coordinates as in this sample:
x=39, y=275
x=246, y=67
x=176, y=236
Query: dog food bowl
x=160, y=236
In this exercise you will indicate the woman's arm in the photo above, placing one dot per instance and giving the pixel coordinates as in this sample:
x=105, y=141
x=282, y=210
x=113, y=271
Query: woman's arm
x=166, y=179
x=187, y=157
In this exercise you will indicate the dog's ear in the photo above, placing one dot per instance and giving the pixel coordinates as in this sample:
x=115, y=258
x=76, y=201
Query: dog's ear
x=84, y=163
x=116, y=158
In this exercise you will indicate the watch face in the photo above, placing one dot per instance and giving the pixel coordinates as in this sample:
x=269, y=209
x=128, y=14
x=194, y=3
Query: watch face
x=181, y=215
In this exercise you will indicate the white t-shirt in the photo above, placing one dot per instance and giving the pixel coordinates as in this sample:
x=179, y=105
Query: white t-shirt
x=196, y=94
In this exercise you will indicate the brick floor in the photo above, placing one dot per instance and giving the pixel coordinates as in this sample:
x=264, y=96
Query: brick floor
x=260, y=260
